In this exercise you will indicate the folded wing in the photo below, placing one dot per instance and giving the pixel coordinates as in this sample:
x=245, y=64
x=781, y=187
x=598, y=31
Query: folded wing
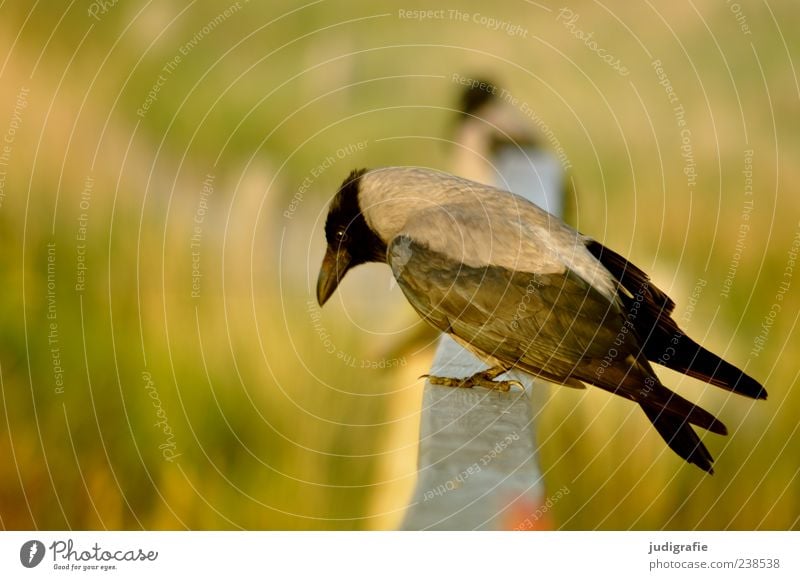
x=554, y=325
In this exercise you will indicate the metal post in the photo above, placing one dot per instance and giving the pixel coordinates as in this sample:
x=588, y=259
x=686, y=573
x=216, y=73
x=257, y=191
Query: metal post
x=478, y=461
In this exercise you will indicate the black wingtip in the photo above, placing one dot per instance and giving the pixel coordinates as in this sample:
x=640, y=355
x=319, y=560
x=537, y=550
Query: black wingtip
x=664, y=342
x=697, y=362
x=760, y=394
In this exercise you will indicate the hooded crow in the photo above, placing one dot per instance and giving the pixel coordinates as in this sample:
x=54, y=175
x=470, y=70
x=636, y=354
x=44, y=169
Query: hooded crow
x=521, y=289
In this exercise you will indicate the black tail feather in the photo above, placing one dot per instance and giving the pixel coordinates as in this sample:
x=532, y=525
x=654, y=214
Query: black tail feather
x=662, y=342
x=626, y=382
x=680, y=353
x=663, y=400
x=681, y=438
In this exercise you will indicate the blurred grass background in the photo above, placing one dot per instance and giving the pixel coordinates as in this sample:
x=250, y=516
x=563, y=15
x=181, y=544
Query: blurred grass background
x=273, y=423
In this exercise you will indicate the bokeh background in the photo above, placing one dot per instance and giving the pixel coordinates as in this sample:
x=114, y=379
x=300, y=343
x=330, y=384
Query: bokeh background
x=164, y=170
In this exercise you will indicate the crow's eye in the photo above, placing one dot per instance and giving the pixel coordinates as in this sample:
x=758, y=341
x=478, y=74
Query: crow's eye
x=341, y=236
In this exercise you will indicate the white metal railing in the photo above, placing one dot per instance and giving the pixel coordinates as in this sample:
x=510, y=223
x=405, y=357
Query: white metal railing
x=478, y=461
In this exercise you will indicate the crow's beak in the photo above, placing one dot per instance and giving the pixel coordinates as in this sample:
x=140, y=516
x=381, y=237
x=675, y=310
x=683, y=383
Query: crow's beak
x=334, y=266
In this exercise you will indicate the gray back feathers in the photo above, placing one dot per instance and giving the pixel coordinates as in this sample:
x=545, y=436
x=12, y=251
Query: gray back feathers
x=476, y=224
